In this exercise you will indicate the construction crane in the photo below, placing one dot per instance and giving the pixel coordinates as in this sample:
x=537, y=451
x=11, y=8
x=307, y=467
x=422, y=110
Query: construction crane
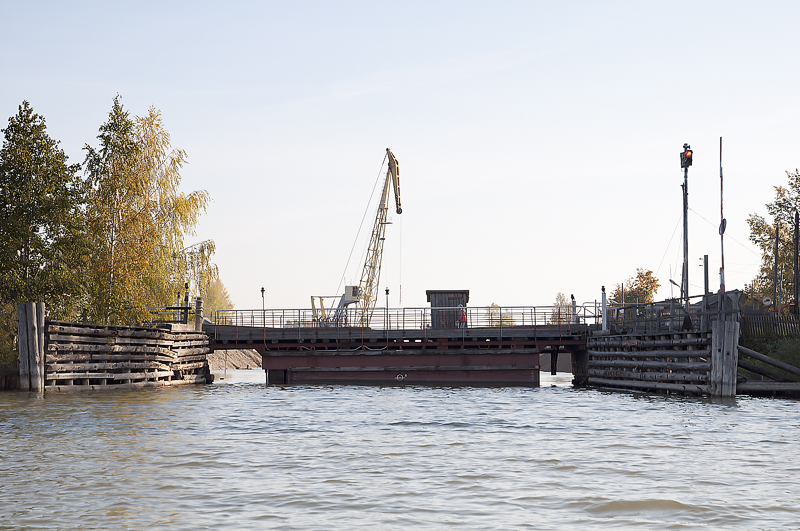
x=365, y=295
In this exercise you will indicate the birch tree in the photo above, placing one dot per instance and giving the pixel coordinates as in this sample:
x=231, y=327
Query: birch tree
x=138, y=217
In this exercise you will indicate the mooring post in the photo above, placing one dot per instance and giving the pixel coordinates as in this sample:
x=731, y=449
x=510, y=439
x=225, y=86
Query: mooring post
x=724, y=351
x=40, y=353
x=22, y=341
x=580, y=367
x=31, y=346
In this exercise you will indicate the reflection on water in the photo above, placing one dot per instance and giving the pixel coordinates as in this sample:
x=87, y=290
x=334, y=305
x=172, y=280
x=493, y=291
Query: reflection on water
x=240, y=455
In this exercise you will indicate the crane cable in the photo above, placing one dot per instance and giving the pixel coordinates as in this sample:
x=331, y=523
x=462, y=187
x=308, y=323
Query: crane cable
x=344, y=273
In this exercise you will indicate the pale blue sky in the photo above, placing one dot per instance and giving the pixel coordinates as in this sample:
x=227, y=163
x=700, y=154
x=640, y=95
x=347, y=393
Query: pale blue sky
x=538, y=141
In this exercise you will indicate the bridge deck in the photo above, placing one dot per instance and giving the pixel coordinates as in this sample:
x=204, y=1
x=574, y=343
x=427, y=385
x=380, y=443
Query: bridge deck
x=358, y=355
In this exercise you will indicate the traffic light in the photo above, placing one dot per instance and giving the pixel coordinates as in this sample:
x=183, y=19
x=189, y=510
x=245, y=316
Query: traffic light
x=686, y=156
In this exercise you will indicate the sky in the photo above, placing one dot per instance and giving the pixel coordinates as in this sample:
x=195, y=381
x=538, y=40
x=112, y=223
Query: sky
x=538, y=142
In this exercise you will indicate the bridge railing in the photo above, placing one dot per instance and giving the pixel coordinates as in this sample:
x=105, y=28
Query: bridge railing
x=412, y=318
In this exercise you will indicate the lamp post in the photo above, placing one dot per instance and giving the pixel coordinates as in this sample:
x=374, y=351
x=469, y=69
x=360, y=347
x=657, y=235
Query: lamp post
x=686, y=161
x=387, y=308
x=263, y=314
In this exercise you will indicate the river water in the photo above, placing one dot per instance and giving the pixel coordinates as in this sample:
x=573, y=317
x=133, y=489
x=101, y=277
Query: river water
x=240, y=455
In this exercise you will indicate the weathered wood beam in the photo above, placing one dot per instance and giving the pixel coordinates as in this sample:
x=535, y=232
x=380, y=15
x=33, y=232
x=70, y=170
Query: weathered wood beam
x=675, y=366
x=770, y=361
x=660, y=386
x=755, y=369
x=649, y=376
x=651, y=353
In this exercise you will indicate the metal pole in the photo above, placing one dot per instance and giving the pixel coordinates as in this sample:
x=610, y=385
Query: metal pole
x=685, y=279
x=775, y=260
x=796, y=272
x=705, y=273
x=722, y=225
x=186, y=305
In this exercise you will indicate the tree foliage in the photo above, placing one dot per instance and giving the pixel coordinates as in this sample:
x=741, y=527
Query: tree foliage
x=138, y=218
x=216, y=297
x=762, y=233
x=42, y=223
x=640, y=288
x=498, y=317
x=562, y=310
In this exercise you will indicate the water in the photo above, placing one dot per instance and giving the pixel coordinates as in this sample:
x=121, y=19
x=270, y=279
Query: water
x=240, y=455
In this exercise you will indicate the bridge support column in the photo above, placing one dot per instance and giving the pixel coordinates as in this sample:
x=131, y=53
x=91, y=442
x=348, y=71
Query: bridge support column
x=580, y=367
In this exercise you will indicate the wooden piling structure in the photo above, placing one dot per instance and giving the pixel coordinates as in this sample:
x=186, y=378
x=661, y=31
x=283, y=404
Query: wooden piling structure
x=695, y=361
x=58, y=356
x=30, y=330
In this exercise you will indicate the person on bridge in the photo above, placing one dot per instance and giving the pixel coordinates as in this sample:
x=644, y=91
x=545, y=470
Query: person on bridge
x=462, y=318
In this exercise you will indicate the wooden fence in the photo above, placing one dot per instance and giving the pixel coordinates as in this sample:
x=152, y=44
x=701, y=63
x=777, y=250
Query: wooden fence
x=60, y=356
x=759, y=325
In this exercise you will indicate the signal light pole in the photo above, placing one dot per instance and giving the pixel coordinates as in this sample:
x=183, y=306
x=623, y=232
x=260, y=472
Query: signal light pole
x=686, y=161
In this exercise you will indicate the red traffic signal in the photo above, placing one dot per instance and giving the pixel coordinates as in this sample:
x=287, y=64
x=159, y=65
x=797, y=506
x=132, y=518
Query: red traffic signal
x=686, y=157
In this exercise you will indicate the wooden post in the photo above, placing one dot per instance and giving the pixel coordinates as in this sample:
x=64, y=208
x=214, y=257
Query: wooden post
x=34, y=355
x=580, y=368
x=730, y=351
x=198, y=314
x=40, y=353
x=724, y=353
x=24, y=359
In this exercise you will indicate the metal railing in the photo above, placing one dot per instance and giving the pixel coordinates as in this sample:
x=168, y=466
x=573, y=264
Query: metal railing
x=414, y=318
x=663, y=316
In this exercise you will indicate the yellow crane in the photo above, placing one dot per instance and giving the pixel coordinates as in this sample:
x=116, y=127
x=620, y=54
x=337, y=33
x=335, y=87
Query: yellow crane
x=365, y=295
x=371, y=273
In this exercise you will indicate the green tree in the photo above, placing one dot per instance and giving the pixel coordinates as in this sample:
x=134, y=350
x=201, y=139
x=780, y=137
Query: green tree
x=762, y=233
x=640, y=288
x=42, y=222
x=138, y=218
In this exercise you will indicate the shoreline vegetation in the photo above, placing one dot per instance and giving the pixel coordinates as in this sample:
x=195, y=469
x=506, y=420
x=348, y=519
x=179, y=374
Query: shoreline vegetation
x=103, y=241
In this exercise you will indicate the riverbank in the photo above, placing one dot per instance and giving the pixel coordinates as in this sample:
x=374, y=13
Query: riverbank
x=219, y=360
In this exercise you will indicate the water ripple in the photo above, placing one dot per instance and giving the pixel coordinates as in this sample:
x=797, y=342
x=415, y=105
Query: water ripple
x=240, y=455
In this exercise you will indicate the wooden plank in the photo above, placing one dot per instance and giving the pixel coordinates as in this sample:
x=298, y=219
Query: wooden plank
x=187, y=366
x=108, y=375
x=657, y=386
x=55, y=358
x=197, y=357
x=674, y=366
x=755, y=369
x=770, y=361
x=106, y=366
x=22, y=342
x=191, y=351
x=654, y=343
x=649, y=376
x=62, y=338
x=765, y=386
x=651, y=353
x=72, y=347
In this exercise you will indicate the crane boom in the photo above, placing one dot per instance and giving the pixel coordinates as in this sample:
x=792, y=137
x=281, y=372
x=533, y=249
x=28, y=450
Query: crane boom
x=370, y=275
